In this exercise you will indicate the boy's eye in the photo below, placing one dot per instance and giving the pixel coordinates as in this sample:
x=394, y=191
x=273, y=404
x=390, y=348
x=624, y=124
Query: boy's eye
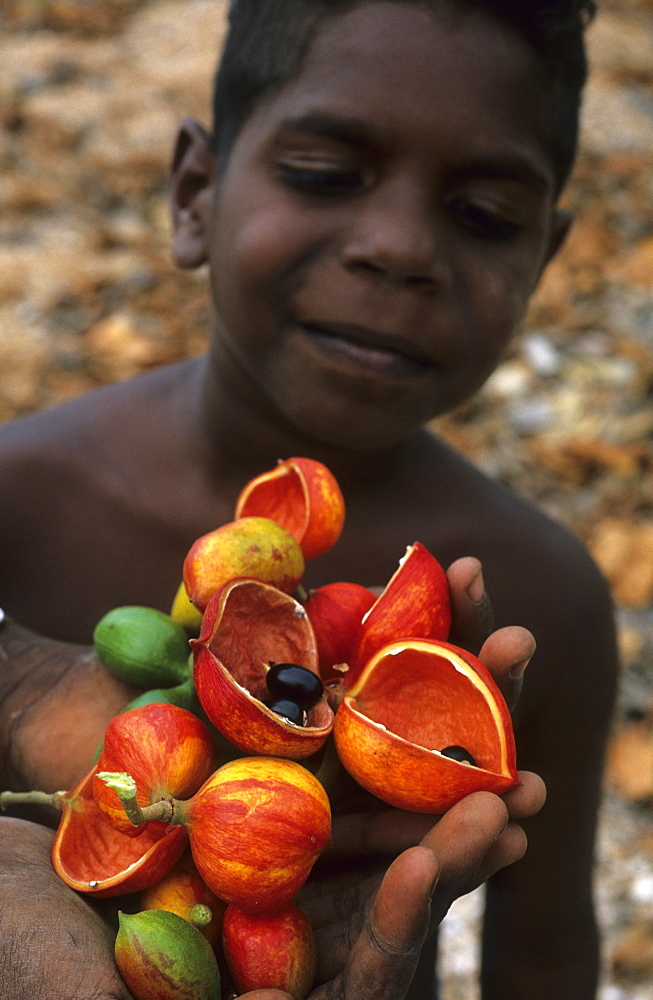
x=483, y=221
x=321, y=180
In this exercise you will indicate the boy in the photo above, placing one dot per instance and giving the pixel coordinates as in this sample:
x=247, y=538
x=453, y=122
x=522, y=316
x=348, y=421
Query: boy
x=376, y=205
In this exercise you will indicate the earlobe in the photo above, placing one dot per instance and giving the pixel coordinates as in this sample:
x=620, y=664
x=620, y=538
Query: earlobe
x=191, y=190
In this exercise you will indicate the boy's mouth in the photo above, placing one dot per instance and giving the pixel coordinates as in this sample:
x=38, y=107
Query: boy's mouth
x=388, y=355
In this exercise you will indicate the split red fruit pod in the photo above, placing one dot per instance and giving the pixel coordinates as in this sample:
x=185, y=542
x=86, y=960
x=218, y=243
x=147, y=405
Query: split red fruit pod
x=270, y=950
x=183, y=891
x=302, y=495
x=415, y=604
x=336, y=611
x=92, y=857
x=256, y=828
x=249, y=546
x=417, y=705
x=166, y=749
x=247, y=626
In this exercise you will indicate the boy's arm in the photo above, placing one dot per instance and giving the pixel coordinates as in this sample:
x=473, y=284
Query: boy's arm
x=56, y=700
x=540, y=937
x=52, y=942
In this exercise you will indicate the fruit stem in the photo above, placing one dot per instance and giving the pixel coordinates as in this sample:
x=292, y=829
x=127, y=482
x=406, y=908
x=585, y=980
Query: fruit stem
x=200, y=915
x=35, y=798
x=125, y=788
x=300, y=593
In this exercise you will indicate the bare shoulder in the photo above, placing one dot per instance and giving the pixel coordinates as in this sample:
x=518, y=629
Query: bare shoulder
x=79, y=489
x=538, y=573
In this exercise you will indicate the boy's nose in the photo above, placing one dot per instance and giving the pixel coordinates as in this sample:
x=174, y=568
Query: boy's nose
x=396, y=238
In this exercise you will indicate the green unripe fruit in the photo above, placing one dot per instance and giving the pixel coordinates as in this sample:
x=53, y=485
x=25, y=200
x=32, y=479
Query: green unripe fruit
x=161, y=956
x=182, y=695
x=142, y=646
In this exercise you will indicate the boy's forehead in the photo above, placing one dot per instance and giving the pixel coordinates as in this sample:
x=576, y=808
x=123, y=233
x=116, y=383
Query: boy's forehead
x=384, y=62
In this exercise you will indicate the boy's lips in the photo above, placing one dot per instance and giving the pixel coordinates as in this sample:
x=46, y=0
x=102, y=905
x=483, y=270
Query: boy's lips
x=387, y=354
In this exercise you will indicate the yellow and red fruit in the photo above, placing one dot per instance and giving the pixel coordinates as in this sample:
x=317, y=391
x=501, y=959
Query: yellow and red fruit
x=256, y=828
x=303, y=496
x=414, y=699
x=167, y=750
x=254, y=547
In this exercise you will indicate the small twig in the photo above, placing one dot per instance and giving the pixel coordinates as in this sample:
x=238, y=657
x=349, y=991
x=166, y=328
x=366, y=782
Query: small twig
x=35, y=798
x=125, y=788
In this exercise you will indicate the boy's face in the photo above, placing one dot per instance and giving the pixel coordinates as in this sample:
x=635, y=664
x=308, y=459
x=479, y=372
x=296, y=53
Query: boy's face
x=382, y=221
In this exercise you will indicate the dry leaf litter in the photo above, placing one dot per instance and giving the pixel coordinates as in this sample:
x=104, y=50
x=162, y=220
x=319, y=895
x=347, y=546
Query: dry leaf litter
x=91, y=92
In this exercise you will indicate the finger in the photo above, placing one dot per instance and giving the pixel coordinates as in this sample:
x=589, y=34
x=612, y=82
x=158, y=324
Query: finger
x=472, y=619
x=506, y=654
x=461, y=842
x=382, y=960
x=382, y=833
x=527, y=798
x=509, y=847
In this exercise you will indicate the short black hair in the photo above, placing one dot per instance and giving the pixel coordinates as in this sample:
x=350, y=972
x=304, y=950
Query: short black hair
x=267, y=40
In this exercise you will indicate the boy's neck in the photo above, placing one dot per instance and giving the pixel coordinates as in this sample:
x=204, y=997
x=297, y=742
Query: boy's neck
x=243, y=434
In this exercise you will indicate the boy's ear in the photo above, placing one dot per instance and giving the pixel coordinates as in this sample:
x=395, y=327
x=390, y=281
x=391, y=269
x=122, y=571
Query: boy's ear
x=191, y=192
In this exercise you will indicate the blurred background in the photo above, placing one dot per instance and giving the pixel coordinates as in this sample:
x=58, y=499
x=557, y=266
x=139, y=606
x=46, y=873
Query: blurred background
x=91, y=94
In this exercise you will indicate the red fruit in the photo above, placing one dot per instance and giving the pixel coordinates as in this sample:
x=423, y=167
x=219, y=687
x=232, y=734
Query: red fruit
x=256, y=828
x=414, y=699
x=270, y=950
x=303, y=496
x=414, y=605
x=336, y=611
x=94, y=858
x=248, y=625
x=167, y=750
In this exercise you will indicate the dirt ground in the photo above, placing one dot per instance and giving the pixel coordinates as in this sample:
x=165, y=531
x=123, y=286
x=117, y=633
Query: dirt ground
x=91, y=92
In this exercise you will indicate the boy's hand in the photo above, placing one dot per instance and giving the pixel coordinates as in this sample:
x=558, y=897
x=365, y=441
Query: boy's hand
x=53, y=945
x=506, y=652
x=370, y=949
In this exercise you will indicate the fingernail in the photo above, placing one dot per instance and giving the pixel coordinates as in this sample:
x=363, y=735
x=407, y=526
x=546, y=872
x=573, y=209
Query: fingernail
x=476, y=589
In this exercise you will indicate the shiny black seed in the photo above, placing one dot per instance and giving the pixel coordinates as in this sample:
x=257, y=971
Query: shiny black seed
x=289, y=710
x=288, y=680
x=460, y=754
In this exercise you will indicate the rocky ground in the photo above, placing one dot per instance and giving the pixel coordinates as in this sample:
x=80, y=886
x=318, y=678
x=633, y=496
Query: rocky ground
x=91, y=92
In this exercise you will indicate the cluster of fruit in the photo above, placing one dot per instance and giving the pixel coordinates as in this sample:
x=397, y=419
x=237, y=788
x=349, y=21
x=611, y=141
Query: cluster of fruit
x=280, y=673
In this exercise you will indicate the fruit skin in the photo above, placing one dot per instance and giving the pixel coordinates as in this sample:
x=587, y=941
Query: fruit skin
x=163, y=957
x=303, y=496
x=142, y=646
x=250, y=546
x=336, y=611
x=271, y=950
x=256, y=828
x=246, y=624
x=167, y=750
x=182, y=889
x=184, y=612
x=93, y=858
x=415, y=604
x=414, y=697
